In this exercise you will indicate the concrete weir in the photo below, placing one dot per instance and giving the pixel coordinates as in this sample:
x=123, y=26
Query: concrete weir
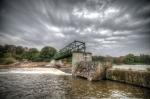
x=134, y=77
x=102, y=70
x=90, y=70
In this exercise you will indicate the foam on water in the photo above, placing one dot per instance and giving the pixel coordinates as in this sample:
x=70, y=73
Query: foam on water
x=34, y=71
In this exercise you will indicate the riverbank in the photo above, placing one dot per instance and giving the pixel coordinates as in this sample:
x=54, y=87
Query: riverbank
x=24, y=65
x=131, y=64
x=33, y=64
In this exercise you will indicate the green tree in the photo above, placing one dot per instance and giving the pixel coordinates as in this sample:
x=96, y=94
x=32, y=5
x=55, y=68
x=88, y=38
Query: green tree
x=47, y=53
x=8, y=60
x=36, y=57
x=19, y=57
x=19, y=50
x=121, y=59
x=9, y=49
x=146, y=59
x=25, y=52
x=1, y=52
x=31, y=54
x=108, y=58
x=116, y=60
x=129, y=59
x=98, y=58
x=136, y=59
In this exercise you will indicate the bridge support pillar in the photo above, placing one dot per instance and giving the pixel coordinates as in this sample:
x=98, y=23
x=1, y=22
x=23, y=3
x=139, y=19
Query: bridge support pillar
x=78, y=57
x=81, y=56
x=56, y=62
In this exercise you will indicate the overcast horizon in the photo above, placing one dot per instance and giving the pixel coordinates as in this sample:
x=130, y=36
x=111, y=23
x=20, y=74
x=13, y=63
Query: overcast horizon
x=108, y=27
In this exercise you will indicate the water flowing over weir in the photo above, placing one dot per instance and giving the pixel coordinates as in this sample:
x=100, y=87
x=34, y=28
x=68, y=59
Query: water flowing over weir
x=52, y=71
x=50, y=83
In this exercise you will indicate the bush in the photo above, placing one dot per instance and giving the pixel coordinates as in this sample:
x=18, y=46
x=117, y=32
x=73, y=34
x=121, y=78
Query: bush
x=7, y=61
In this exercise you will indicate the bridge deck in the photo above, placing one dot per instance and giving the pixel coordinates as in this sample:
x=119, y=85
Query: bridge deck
x=67, y=51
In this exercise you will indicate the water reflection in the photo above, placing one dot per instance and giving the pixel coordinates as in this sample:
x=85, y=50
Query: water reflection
x=106, y=89
x=48, y=85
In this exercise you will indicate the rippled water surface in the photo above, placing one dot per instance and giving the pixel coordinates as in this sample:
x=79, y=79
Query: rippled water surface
x=47, y=83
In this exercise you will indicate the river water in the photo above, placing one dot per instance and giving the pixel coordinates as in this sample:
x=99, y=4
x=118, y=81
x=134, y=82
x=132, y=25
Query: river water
x=50, y=83
x=133, y=67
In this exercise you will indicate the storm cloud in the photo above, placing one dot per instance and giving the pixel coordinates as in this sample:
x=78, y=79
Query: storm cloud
x=108, y=27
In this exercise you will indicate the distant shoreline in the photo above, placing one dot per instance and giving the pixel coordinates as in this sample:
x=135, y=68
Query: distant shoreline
x=32, y=65
x=138, y=64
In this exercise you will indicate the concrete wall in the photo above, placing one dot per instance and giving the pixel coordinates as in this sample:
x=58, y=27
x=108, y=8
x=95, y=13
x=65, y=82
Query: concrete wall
x=92, y=70
x=88, y=57
x=140, y=78
x=56, y=62
x=81, y=56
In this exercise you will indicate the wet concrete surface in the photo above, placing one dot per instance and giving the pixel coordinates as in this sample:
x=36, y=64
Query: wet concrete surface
x=50, y=83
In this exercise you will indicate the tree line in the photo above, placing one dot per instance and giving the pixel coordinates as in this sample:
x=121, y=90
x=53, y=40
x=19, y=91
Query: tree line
x=12, y=53
x=127, y=59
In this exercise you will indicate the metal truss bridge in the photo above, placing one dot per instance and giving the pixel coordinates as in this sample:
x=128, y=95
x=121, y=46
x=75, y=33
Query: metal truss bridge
x=75, y=46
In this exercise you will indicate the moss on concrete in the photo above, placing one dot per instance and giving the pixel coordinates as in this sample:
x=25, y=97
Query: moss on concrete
x=141, y=78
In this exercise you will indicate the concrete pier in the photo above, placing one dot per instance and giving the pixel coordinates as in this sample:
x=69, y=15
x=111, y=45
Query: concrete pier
x=92, y=70
x=81, y=56
x=56, y=62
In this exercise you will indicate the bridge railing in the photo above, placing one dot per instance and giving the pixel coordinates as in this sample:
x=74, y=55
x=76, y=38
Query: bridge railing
x=67, y=51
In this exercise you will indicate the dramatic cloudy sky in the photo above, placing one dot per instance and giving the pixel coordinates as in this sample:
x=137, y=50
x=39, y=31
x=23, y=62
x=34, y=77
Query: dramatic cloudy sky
x=108, y=27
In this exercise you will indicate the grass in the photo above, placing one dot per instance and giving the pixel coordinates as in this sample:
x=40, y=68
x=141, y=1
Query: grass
x=119, y=74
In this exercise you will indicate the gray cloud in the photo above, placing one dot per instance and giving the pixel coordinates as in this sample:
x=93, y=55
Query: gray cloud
x=108, y=27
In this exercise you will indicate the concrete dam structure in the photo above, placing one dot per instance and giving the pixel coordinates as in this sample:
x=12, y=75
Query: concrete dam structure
x=91, y=70
x=134, y=77
x=83, y=66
